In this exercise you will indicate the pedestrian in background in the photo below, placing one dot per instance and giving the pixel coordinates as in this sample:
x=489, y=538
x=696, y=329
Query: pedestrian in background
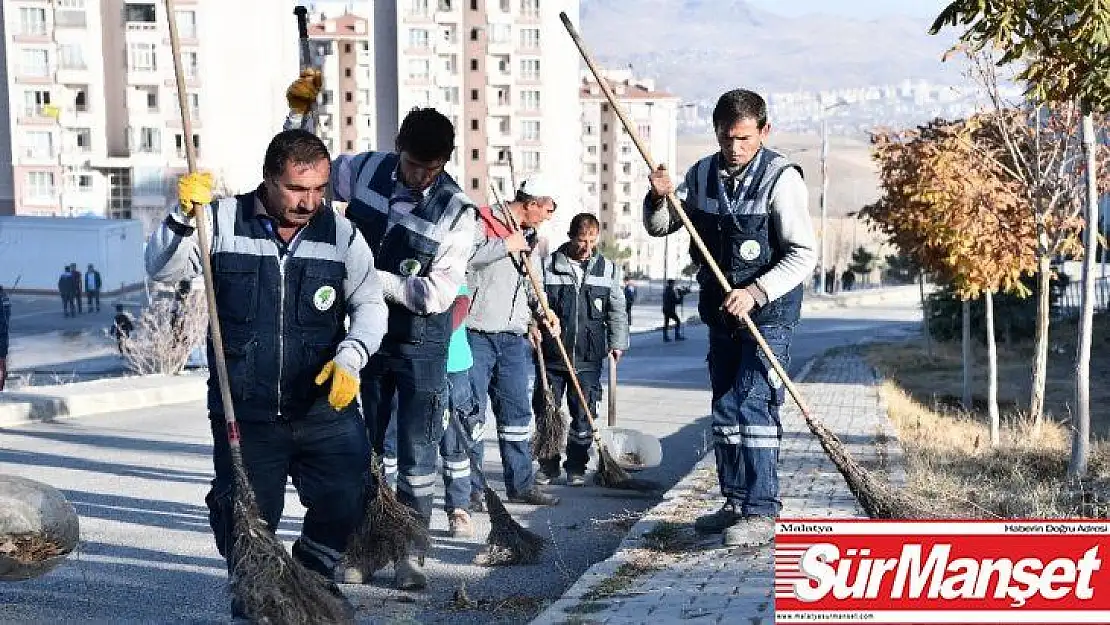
x=92, y=287
x=65, y=290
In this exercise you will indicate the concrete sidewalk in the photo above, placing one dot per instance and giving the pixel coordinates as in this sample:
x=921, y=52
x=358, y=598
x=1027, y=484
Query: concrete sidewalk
x=664, y=573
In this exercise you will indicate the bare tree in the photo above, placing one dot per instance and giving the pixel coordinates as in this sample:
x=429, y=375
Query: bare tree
x=165, y=334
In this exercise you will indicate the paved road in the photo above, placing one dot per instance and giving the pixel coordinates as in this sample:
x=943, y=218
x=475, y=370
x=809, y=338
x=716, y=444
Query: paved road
x=138, y=481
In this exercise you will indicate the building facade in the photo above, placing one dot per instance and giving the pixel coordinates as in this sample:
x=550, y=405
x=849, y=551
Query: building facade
x=342, y=49
x=93, y=123
x=504, y=71
x=614, y=174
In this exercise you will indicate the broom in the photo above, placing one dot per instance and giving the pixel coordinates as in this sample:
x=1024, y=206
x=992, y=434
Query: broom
x=388, y=528
x=268, y=583
x=508, y=542
x=551, y=424
x=609, y=473
x=877, y=498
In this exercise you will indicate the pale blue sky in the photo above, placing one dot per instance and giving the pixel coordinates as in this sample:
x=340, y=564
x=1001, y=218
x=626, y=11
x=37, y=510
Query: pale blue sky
x=854, y=8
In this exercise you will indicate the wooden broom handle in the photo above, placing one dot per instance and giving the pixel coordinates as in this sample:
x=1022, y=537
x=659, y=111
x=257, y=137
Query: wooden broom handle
x=199, y=211
x=541, y=296
x=676, y=207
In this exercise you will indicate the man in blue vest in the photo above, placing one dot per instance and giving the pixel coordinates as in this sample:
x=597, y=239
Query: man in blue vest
x=420, y=226
x=497, y=329
x=749, y=204
x=585, y=293
x=287, y=271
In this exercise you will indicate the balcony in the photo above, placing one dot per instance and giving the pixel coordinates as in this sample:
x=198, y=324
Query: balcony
x=70, y=18
x=141, y=27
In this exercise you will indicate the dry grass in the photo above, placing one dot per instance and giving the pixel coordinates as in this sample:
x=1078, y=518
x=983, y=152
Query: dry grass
x=948, y=453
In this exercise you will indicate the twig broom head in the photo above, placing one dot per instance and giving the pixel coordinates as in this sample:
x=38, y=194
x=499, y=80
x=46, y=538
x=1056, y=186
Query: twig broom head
x=508, y=542
x=551, y=429
x=388, y=529
x=269, y=584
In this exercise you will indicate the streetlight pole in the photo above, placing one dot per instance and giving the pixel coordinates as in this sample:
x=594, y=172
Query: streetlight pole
x=823, y=253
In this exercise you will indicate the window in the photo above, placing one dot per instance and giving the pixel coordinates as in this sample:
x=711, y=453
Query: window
x=350, y=121
x=626, y=188
x=500, y=33
x=135, y=12
x=141, y=57
x=474, y=183
x=474, y=124
x=348, y=96
x=33, y=101
x=82, y=139
x=147, y=141
x=71, y=4
x=474, y=34
x=346, y=72
x=605, y=128
x=38, y=144
x=450, y=95
x=194, y=106
x=418, y=38
x=530, y=130
x=530, y=160
x=323, y=49
x=626, y=168
x=530, y=69
x=81, y=182
x=591, y=150
x=473, y=95
x=80, y=99
x=179, y=145
x=530, y=100
x=506, y=6
x=32, y=21
x=605, y=167
x=151, y=99
x=626, y=208
x=473, y=5
x=364, y=97
x=346, y=48
x=644, y=130
x=504, y=125
x=502, y=94
x=473, y=65
x=35, y=62
x=450, y=63
x=529, y=38
x=418, y=68
x=189, y=63
x=445, y=5
x=326, y=97
x=530, y=8
x=590, y=129
x=364, y=46
x=604, y=185
x=71, y=56
x=186, y=24
x=503, y=64
x=475, y=154
x=418, y=8
x=40, y=186
x=604, y=147
x=449, y=33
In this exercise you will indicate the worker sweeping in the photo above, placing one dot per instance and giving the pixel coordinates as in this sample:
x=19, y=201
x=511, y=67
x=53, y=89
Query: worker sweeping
x=585, y=292
x=749, y=204
x=497, y=330
x=420, y=225
x=287, y=271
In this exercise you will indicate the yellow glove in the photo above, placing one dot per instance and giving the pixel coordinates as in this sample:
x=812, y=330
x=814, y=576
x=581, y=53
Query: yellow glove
x=193, y=189
x=301, y=95
x=344, y=385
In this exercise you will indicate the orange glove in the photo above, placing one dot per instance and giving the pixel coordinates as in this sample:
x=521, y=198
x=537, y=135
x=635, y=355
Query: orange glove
x=301, y=94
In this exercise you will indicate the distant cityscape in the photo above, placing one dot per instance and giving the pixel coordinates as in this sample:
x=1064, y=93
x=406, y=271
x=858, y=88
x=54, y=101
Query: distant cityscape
x=855, y=111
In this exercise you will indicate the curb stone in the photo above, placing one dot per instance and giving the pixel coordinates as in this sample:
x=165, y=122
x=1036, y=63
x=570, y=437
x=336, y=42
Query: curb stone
x=563, y=610
x=48, y=403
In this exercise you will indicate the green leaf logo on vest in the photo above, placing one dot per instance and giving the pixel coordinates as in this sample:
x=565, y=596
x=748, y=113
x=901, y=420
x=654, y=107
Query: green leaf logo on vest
x=410, y=267
x=324, y=298
x=598, y=304
x=749, y=250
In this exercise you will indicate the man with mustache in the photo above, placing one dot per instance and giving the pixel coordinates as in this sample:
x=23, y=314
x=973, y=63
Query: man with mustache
x=749, y=205
x=421, y=228
x=287, y=272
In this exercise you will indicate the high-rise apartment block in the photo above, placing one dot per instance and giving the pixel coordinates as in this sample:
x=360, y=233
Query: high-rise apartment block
x=91, y=124
x=342, y=48
x=504, y=71
x=614, y=174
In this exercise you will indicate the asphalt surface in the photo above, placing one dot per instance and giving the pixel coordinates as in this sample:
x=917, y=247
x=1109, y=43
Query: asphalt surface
x=138, y=480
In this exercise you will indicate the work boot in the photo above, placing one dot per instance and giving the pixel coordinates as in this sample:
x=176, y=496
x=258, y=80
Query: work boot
x=750, y=531
x=719, y=521
x=534, y=497
x=408, y=573
x=546, y=475
x=458, y=523
x=575, y=479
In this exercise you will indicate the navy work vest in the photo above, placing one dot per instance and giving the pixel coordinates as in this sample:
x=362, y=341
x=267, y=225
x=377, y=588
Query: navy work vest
x=582, y=311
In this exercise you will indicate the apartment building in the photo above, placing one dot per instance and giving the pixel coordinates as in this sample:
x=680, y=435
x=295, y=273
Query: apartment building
x=504, y=71
x=614, y=174
x=347, y=103
x=93, y=123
